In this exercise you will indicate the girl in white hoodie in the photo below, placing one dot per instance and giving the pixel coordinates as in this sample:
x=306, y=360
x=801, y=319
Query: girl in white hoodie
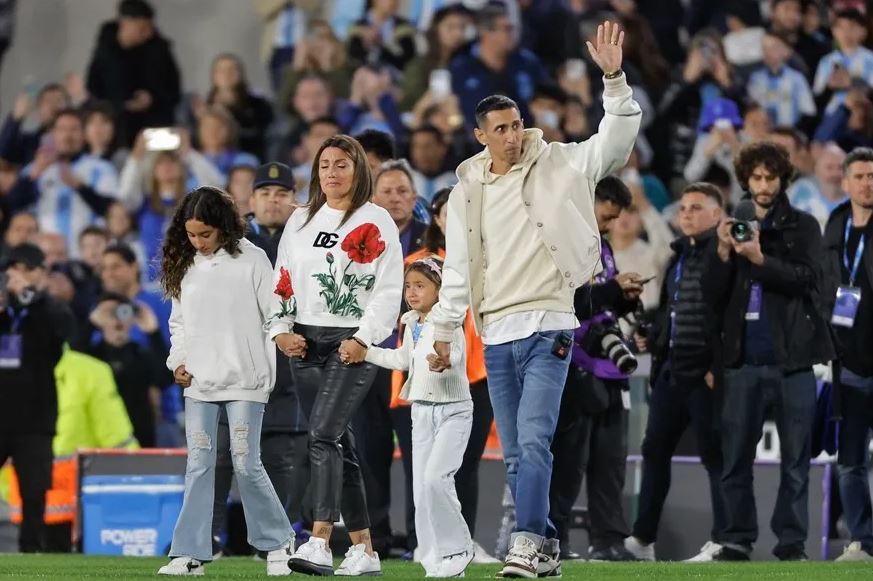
x=442, y=417
x=221, y=285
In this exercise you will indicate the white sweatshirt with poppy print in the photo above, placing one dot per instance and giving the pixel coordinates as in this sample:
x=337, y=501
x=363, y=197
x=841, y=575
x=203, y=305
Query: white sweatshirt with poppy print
x=340, y=276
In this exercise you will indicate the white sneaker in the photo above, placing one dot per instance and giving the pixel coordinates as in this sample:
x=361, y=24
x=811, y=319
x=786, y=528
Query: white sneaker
x=454, y=565
x=277, y=561
x=359, y=564
x=183, y=567
x=481, y=556
x=854, y=552
x=312, y=558
x=639, y=550
x=706, y=554
x=522, y=560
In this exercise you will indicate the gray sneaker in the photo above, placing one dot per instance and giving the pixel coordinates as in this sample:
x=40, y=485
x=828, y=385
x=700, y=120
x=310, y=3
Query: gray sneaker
x=522, y=559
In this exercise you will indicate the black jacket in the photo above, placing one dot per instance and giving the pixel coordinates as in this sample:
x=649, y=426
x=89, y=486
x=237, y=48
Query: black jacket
x=793, y=282
x=116, y=73
x=698, y=312
x=283, y=412
x=28, y=395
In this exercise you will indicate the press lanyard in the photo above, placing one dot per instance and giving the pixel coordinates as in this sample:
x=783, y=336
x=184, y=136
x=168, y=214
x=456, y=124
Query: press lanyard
x=859, y=251
x=16, y=319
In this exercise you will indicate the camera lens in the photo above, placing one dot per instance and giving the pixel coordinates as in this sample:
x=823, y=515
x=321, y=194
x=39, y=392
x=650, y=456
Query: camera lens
x=124, y=312
x=741, y=231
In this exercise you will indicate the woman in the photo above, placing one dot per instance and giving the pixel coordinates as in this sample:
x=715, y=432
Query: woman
x=343, y=254
x=221, y=286
x=467, y=477
x=230, y=89
x=382, y=36
x=445, y=37
x=217, y=139
x=320, y=53
x=99, y=123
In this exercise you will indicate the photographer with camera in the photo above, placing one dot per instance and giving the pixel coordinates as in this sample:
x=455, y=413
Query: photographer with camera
x=33, y=330
x=773, y=333
x=591, y=436
x=138, y=369
x=683, y=340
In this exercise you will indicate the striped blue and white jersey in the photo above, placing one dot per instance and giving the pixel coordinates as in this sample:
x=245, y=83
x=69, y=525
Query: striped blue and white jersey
x=859, y=64
x=786, y=95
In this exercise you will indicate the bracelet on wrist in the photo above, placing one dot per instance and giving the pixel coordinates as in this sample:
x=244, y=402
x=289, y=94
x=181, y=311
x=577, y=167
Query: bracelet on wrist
x=359, y=342
x=613, y=75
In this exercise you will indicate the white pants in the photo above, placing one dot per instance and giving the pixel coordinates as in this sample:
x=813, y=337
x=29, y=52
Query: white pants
x=439, y=438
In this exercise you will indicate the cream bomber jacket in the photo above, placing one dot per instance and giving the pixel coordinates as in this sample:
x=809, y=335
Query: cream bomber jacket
x=558, y=194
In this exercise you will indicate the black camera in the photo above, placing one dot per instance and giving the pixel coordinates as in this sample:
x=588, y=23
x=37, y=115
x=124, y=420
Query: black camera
x=607, y=338
x=125, y=312
x=741, y=230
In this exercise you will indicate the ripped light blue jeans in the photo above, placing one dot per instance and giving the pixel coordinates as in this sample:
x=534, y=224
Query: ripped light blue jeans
x=267, y=523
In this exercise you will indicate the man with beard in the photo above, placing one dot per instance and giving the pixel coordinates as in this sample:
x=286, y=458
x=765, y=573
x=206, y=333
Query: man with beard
x=773, y=333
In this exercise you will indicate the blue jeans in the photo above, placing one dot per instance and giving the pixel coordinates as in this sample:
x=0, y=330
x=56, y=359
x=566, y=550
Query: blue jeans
x=266, y=521
x=525, y=382
x=748, y=392
x=857, y=393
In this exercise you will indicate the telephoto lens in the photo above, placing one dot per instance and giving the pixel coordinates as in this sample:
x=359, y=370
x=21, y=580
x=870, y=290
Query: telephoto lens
x=618, y=353
x=741, y=231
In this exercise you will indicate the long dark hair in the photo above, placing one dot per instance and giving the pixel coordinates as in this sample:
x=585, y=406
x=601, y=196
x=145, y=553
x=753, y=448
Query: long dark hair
x=362, y=180
x=212, y=206
x=434, y=239
x=240, y=90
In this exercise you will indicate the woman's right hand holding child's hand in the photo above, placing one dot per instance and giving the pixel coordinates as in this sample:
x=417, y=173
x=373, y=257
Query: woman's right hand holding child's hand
x=291, y=344
x=182, y=377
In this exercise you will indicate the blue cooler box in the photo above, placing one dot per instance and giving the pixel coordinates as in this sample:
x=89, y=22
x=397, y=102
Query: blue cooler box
x=130, y=515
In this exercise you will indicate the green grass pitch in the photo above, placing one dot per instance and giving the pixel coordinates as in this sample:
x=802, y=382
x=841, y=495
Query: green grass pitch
x=84, y=567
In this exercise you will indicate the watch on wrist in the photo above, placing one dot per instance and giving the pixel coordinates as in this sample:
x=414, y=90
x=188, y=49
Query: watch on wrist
x=613, y=75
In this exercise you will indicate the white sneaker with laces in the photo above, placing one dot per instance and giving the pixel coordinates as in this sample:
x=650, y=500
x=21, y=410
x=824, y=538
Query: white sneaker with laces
x=454, y=565
x=706, y=554
x=277, y=561
x=312, y=558
x=481, y=556
x=522, y=559
x=639, y=550
x=359, y=564
x=183, y=567
x=854, y=552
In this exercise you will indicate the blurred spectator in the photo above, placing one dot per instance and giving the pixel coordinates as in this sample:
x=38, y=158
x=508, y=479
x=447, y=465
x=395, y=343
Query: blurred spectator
x=100, y=138
x=122, y=227
x=54, y=248
x=285, y=25
x=271, y=205
x=647, y=257
x=240, y=185
x=718, y=142
x=321, y=55
x=316, y=134
x=742, y=43
x=139, y=371
x=395, y=191
x=850, y=63
x=786, y=18
x=445, y=115
x=19, y=146
x=230, y=89
x=133, y=68
x=379, y=147
x=372, y=104
x=655, y=191
x=84, y=279
x=782, y=91
x=34, y=328
x=821, y=192
x=850, y=125
x=576, y=126
x=382, y=37
x=7, y=21
x=23, y=227
x=495, y=65
x=797, y=145
x=756, y=123
x=312, y=99
x=217, y=141
x=705, y=76
x=428, y=157
x=539, y=21
x=69, y=189
x=641, y=50
x=547, y=111
x=445, y=37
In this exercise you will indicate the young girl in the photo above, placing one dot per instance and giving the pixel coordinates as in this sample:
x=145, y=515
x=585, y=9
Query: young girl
x=442, y=416
x=221, y=286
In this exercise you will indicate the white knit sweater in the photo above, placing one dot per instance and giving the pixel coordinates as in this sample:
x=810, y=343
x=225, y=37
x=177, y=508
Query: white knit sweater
x=424, y=385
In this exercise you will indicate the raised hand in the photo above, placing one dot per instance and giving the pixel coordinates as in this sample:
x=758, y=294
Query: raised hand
x=607, y=52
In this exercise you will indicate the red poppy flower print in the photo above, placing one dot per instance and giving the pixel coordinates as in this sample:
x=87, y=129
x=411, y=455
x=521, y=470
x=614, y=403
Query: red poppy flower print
x=364, y=244
x=283, y=287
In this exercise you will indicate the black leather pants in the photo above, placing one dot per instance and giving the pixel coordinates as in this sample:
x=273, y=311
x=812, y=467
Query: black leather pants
x=330, y=392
